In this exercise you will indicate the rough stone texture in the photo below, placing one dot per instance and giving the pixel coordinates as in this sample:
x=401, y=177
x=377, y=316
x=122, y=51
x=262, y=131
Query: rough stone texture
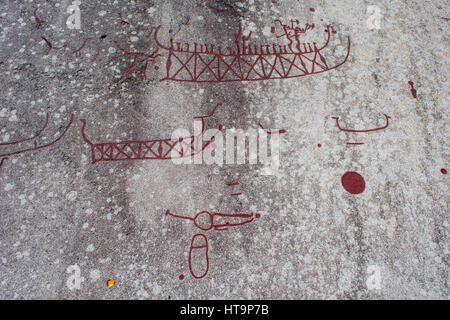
x=313, y=240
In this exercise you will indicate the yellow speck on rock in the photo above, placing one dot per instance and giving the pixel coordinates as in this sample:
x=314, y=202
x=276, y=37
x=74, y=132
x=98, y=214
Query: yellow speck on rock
x=110, y=283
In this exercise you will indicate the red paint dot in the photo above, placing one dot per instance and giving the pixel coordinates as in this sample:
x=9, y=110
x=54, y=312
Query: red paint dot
x=443, y=171
x=312, y=10
x=319, y=145
x=156, y=68
x=353, y=182
x=181, y=277
x=258, y=215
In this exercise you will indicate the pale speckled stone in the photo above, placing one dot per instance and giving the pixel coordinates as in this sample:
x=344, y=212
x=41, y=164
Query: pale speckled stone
x=313, y=241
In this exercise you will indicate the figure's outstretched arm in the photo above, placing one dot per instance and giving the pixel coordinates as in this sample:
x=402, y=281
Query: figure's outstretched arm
x=168, y=213
x=241, y=218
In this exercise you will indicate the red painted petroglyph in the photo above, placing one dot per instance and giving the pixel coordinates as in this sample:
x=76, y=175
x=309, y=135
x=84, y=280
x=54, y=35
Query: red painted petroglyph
x=216, y=10
x=97, y=54
x=363, y=130
x=206, y=63
x=2, y=162
x=272, y=132
x=50, y=46
x=353, y=182
x=36, y=147
x=196, y=246
x=159, y=149
x=122, y=20
x=147, y=59
x=28, y=139
x=77, y=53
x=205, y=221
x=39, y=22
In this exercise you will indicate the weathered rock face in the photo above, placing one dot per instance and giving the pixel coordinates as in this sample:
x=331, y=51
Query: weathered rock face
x=349, y=201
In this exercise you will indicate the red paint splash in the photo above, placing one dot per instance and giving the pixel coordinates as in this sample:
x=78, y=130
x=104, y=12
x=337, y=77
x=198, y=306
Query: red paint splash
x=413, y=91
x=353, y=183
x=443, y=171
x=319, y=145
x=181, y=277
x=312, y=10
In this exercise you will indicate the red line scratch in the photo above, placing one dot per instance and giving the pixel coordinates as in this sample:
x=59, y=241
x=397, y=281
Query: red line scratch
x=39, y=22
x=50, y=46
x=77, y=53
x=3, y=161
x=111, y=60
x=270, y=132
x=28, y=139
x=36, y=147
x=97, y=54
x=122, y=20
x=355, y=143
x=211, y=114
x=219, y=10
x=236, y=194
x=233, y=184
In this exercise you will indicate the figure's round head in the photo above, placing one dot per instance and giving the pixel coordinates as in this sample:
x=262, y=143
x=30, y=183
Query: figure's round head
x=204, y=220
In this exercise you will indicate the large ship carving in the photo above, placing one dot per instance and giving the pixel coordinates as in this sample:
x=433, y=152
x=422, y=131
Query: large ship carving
x=206, y=63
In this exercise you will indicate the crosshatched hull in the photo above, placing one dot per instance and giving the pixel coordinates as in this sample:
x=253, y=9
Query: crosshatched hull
x=205, y=64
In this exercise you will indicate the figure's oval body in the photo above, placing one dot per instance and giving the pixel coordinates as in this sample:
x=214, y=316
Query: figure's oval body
x=198, y=252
